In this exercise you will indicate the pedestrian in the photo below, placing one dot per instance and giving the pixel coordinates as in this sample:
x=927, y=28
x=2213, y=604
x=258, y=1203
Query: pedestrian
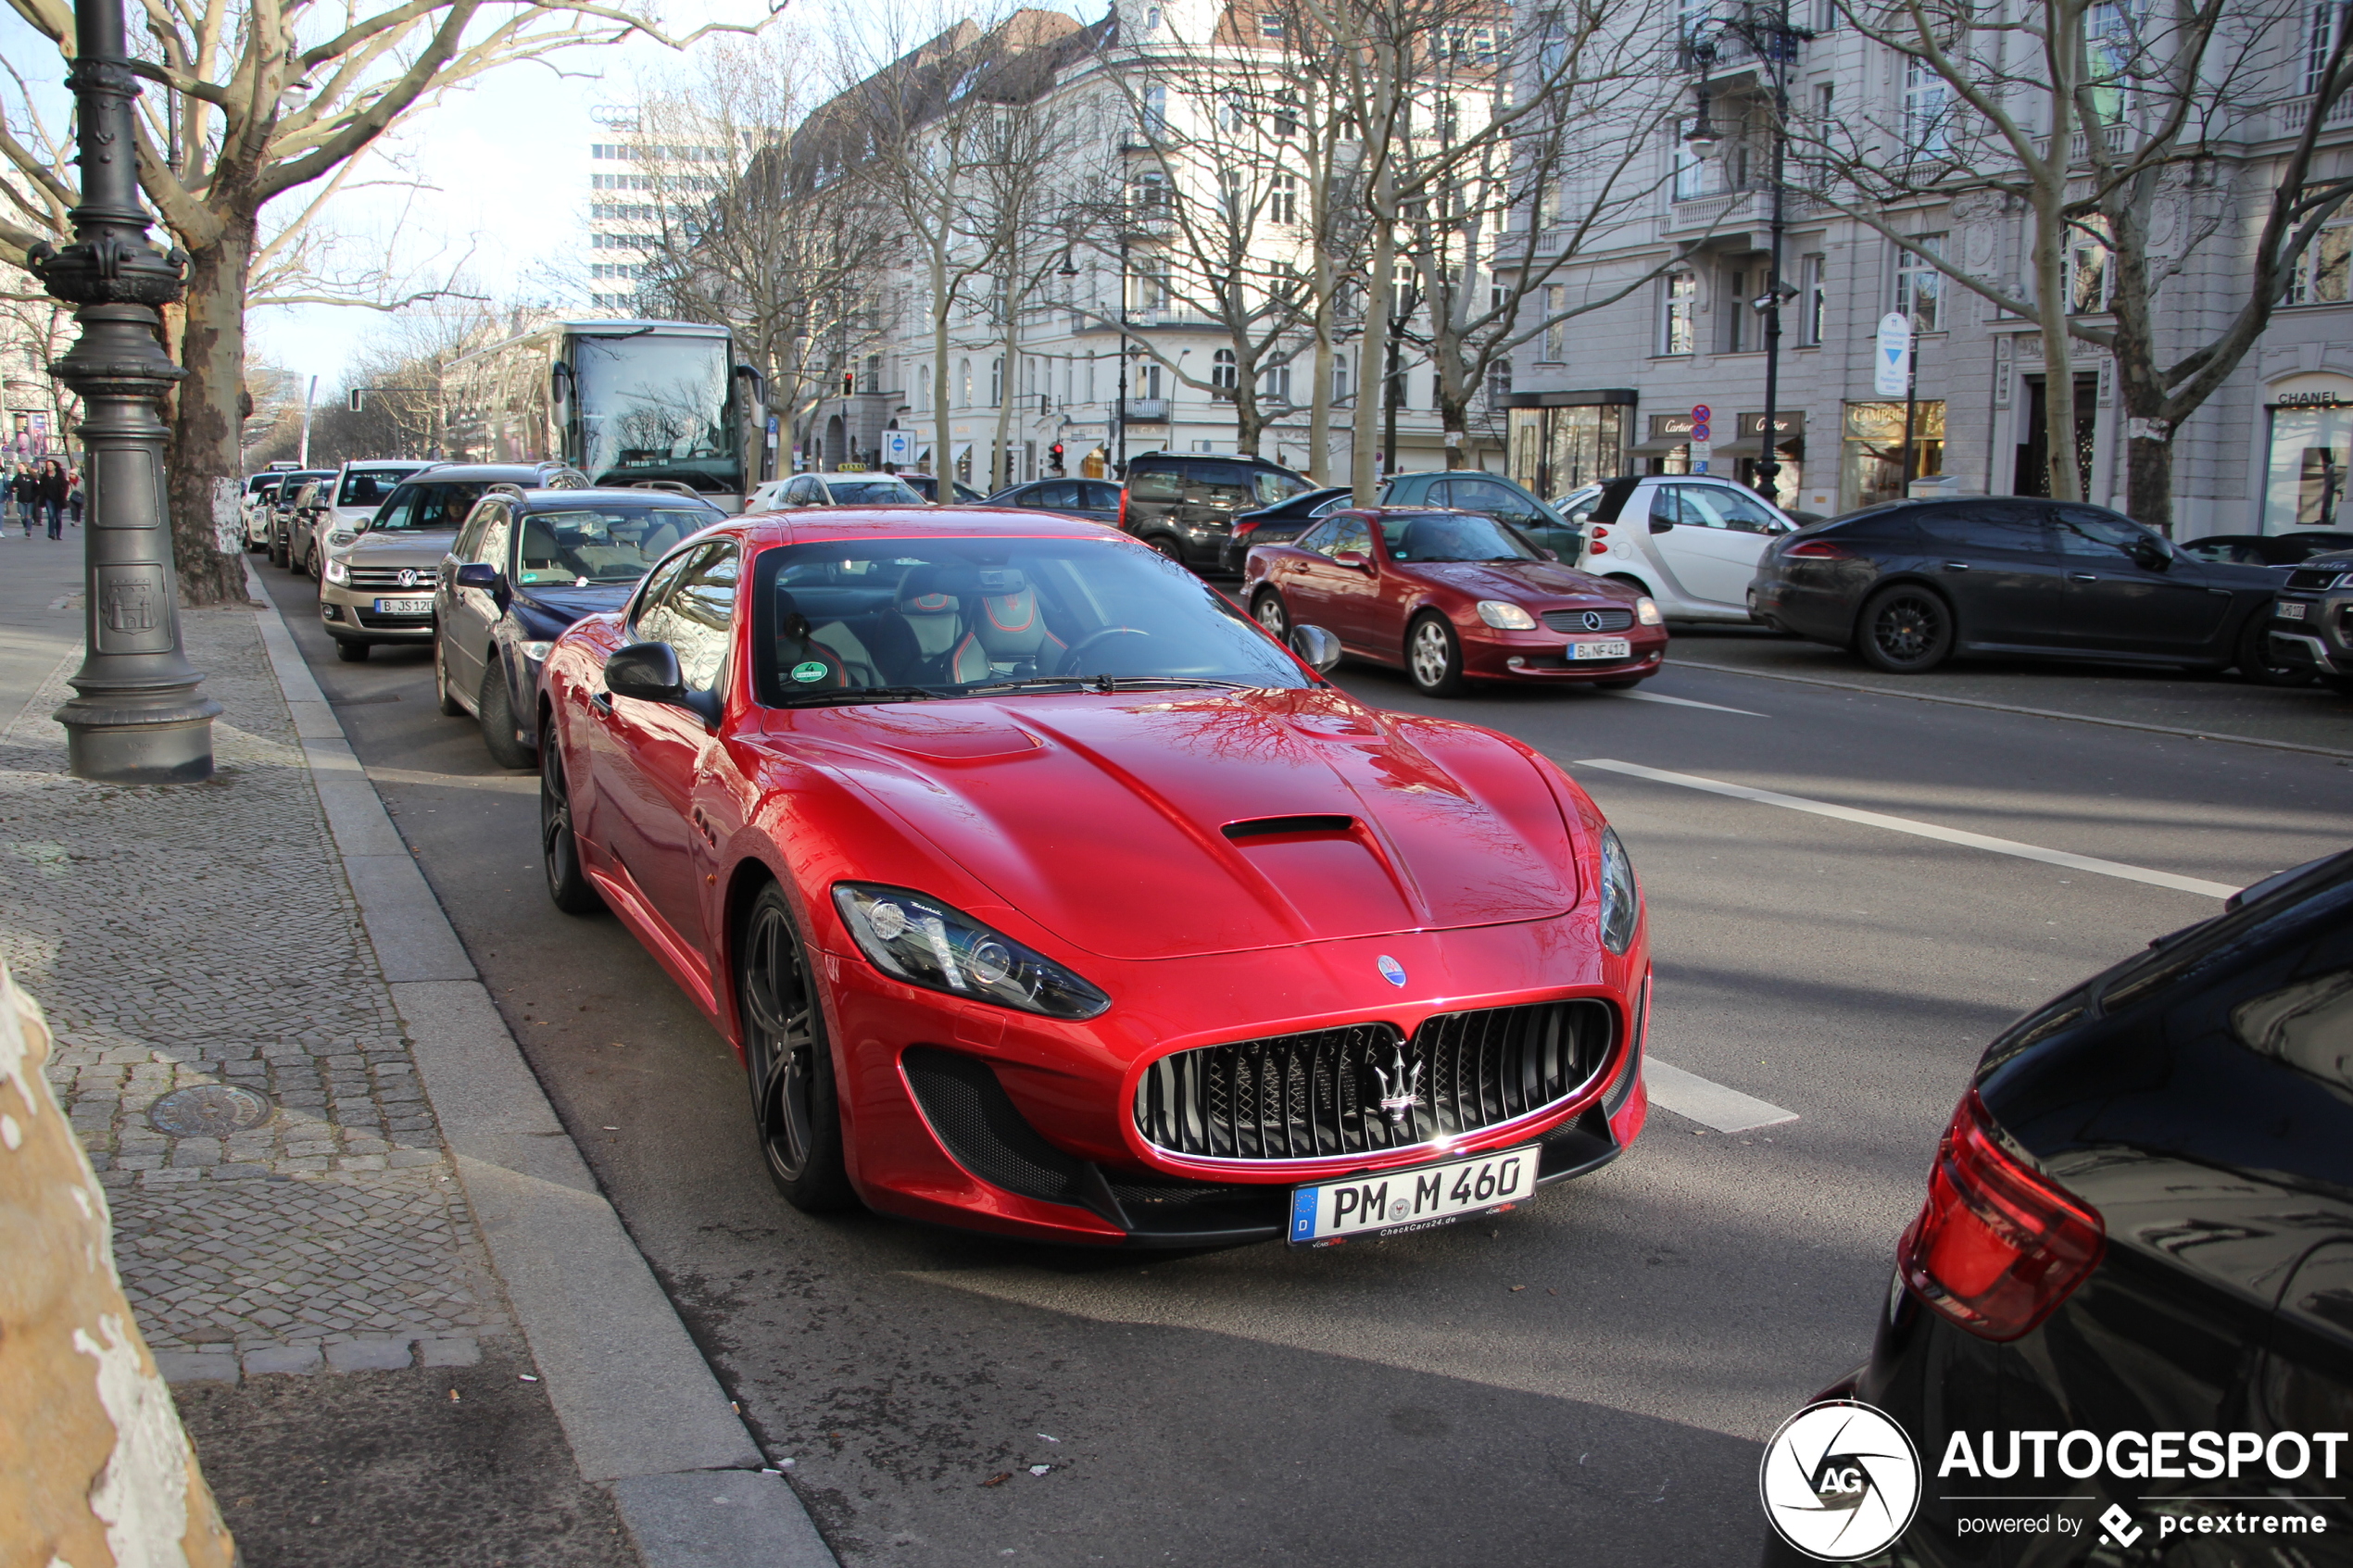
x=50, y=496
x=23, y=489
x=73, y=495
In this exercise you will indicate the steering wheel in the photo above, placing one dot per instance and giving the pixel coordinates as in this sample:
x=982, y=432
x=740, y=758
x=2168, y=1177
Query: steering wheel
x=1070, y=660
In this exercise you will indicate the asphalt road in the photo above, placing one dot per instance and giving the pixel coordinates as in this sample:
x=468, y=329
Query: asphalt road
x=1588, y=1381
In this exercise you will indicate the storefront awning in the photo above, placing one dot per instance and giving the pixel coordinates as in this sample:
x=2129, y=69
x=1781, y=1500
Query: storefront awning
x=1660, y=447
x=1754, y=446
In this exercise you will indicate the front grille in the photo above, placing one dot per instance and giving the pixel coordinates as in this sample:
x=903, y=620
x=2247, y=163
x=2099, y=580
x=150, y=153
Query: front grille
x=386, y=579
x=1574, y=620
x=1319, y=1094
x=2315, y=576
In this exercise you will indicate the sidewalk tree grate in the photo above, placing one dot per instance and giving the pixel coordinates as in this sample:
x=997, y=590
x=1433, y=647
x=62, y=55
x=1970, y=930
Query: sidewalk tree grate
x=209, y=1111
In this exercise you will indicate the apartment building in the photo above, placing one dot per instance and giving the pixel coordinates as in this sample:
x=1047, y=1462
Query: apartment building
x=1615, y=391
x=639, y=180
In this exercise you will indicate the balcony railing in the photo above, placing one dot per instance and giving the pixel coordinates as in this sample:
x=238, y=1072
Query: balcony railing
x=2290, y=118
x=1142, y=410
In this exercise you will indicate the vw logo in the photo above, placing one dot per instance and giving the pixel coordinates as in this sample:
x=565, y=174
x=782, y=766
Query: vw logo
x=407, y=578
x=1392, y=971
x=1593, y=620
x=1839, y=1481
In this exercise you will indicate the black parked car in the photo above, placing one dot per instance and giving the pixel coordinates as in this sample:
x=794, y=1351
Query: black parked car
x=1184, y=505
x=1909, y=584
x=526, y=565
x=1094, y=499
x=1278, y=524
x=2270, y=549
x=2138, y=1239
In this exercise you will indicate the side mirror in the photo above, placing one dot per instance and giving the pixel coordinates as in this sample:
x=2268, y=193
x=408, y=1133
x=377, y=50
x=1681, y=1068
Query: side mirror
x=480, y=574
x=1354, y=560
x=647, y=671
x=1316, y=647
x=2150, y=556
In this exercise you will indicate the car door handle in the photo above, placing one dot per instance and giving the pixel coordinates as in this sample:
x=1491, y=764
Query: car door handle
x=602, y=702
x=2083, y=577
x=1957, y=566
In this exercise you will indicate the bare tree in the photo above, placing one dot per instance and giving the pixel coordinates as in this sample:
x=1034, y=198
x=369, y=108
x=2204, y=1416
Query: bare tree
x=2118, y=135
x=263, y=98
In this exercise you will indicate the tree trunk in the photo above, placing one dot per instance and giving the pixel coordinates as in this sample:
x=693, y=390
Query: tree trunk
x=206, y=457
x=2148, y=478
x=1319, y=401
x=944, y=491
x=1000, y=461
x=2051, y=296
x=1371, y=348
x=1454, y=420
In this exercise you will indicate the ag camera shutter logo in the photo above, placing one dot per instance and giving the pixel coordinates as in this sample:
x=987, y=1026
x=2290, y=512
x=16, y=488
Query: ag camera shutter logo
x=1839, y=1481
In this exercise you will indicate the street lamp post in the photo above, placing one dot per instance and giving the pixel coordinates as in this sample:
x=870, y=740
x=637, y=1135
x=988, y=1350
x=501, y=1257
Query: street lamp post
x=1767, y=31
x=1119, y=456
x=136, y=716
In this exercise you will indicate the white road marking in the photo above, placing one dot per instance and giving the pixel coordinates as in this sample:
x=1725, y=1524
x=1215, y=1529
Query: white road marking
x=1922, y=830
x=1706, y=1101
x=1687, y=702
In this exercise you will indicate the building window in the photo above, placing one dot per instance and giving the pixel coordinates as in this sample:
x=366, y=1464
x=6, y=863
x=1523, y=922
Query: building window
x=1152, y=285
x=2087, y=267
x=1274, y=385
x=2320, y=274
x=1499, y=382
x=1554, y=349
x=1155, y=119
x=1926, y=96
x=1743, y=283
x=1221, y=370
x=2312, y=445
x=1270, y=25
x=1678, y=318
x=1690, y=170
x=964, y=383
x=1282, y=199
x=1340, y=378
x=872, y=381
x=1919, y=287
x=996, y=382
x=2319, y=37
x=1871, y=460
x=1813, y=301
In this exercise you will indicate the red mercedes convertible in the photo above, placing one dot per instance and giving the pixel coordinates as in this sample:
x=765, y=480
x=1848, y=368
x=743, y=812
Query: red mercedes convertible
x=1453, y=597
x=1040, y=892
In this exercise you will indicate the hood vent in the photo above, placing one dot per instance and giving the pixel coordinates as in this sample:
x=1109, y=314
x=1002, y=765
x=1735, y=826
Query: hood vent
x=1269, y=827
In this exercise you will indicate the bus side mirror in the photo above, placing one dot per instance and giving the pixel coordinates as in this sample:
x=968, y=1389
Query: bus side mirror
x=759, y=382
x=559, y=382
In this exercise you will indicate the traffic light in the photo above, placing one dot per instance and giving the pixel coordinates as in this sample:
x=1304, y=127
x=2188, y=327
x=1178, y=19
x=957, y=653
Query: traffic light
x=848, y=382
x=1055, y=452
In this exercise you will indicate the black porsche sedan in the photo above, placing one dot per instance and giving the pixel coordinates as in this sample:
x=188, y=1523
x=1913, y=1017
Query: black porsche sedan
x=2123, y=1316
x=526, y=565
x=1911, y=584
x=1278, y=524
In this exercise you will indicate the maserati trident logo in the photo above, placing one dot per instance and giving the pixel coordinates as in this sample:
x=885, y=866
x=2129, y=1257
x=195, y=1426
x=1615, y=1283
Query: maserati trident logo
x=407, y=578
x=1392, y=971
x=1400, y=1089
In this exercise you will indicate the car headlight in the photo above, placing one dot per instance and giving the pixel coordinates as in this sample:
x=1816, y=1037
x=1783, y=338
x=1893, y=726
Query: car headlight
x=1646, y=611
x=337, y=572
x=924, y=942
x=1506, y=617
x=1621, y=900
x=536, y=652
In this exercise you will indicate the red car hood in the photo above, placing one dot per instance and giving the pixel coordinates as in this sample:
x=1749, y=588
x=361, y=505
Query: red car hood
x=1101, y=818
x=1496, y=580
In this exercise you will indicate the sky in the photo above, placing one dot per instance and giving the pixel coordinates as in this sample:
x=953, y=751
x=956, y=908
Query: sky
x=501, y=169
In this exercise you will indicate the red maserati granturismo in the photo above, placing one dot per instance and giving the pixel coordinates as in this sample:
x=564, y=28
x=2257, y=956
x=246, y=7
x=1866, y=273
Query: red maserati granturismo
x=1041, y=892
x=1453, y=597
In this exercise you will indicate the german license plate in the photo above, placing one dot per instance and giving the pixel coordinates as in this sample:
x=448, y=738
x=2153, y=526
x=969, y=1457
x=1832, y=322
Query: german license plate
x=1416, y=1199
x=405, y=607
x=1616, y=648
x=2288, y=609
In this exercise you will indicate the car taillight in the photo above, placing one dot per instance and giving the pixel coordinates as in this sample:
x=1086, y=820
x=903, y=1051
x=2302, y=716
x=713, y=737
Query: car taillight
x=1242, y=527
x=1122, y=509
x=1998, y=1245
x=1817, y=550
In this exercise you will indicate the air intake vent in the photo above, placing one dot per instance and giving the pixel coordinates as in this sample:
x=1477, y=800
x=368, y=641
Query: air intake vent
x=1267, y=827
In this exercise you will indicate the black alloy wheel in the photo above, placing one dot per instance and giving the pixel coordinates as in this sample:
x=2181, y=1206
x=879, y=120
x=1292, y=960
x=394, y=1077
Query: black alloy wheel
x=444, y=698
x=1168, y=546
x=1905, y=631
x=1268, y=610
x=2255, y=662
x=567, y=885
x=789, y=1061
x=500, y=736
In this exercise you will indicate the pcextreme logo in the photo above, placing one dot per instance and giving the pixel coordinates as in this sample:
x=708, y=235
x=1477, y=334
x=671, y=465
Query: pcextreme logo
x=1839, y=1481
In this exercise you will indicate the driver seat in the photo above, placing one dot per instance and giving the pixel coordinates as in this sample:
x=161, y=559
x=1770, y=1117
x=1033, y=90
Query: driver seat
x=1008, y=636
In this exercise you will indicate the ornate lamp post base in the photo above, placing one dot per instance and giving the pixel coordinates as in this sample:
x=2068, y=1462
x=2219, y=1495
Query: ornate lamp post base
x=136, y=717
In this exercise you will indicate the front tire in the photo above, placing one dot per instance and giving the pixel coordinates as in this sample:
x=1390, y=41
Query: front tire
x=789, y=1061
x=1168, y=547
x=2255, y=660
x=1905, y=631
x=1269, y=611
x=1434, y=656
x=567, y=885
x=499, y=736
x=351, y=653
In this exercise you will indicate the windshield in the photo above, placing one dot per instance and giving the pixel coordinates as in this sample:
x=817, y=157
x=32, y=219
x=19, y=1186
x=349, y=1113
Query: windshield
x=428, y=509
x=291, y=486
x=368, y=487
x=913, y=618
x=870, y=493
x=590, y=544
x=654, y=407
x=1450, y=536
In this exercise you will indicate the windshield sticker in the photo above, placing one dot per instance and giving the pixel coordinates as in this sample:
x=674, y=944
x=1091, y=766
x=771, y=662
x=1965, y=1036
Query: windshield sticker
x=809, y=670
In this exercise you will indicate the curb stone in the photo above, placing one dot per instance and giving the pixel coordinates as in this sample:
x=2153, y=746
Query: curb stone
x=639, y=1405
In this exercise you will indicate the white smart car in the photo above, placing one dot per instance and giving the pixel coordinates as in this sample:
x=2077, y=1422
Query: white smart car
x=1688, y=541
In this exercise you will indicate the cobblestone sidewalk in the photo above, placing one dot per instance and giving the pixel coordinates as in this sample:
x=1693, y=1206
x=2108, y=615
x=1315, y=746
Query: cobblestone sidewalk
x=206, y=935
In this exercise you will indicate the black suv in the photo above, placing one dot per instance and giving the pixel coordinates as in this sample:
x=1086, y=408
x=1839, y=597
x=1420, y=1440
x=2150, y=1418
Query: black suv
x=1183, y=506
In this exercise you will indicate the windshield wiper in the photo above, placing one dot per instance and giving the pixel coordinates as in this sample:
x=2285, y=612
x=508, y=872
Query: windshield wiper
x=839, y=695
x=1102, y=684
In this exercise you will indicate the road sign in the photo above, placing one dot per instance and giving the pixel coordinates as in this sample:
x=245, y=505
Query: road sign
x=1892, y=358
x=898, y=446
x=1702, y=413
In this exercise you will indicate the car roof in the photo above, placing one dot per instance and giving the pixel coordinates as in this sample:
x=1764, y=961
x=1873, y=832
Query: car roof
x=391, y=463
x=463, y=472
x=965, y=520
x=837, y=473
x=550, y=495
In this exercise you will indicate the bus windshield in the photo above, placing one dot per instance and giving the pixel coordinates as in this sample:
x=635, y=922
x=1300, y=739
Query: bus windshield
x=652, y=405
